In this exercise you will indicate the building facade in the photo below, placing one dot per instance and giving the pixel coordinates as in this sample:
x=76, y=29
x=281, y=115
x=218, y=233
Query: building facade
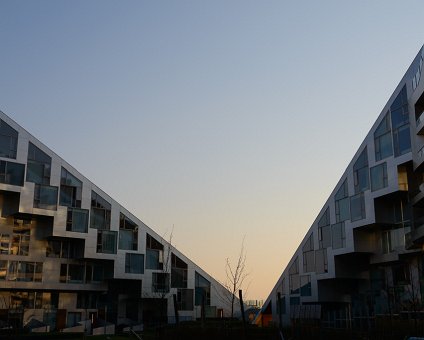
x=70, y=253
x=363, y=255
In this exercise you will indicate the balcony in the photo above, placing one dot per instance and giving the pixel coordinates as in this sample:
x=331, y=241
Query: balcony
x=415, y=238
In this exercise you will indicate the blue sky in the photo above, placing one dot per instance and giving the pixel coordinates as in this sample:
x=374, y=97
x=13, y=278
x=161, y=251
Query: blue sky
x=222, y=118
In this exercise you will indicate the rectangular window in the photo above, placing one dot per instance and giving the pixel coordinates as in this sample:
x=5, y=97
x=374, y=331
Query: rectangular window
x=383, y=139
x=294, y=281
x=203, y=290
x=305, y=285
x=3, y=270
x=106, y=241
x=341, y=199
x=338, y=235
x=321, y=261
x=38, y=166
x=25, y=271
x=185, y=299
x=45, y=197
x=281, y=305
x=21, y=237
x=12, y=173
x=100, y=212
x=134, y=263
x=400, y=123
x=73, y=319
x=309, y=255
x=77, y=220
x=5, y=244
x=70, y=190
x=8, y=140
x=179, y=270
x=160, y=282
x=128, y=233
x=357, y=207
x=379, y=177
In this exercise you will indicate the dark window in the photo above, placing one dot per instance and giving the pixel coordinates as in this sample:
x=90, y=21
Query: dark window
x=281, y=305
x=134, y=263
x=342, y=203
x=309, y=255
x=357, y=207
x=38, y=166
x=361, y=172
x=70, y=190
x=185, y=299
x=179, y=270
x=100, y=212
x=25, y=271
x=294, y=282
x=106, y=241
x=12, y=173
x=160, y=282
x=324, y=230
x=203, y=290
x=128, y=233
x=8, y=140
x=305, y=285
x=154, y=253
x=400, y=123
x=321, y=261
x=21, y=237
x=45, y=197
x=77, y=220
x=383, y=139
x=338, y=235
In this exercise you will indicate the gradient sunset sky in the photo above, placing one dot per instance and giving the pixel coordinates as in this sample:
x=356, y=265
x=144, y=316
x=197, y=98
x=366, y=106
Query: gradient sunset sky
x=223, y=119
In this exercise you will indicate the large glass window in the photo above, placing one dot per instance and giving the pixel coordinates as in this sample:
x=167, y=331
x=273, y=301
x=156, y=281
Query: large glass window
x=77, y=220
x=321, y=261
x=383, y=139
x=305, y=285
x=106, y=241
x=70, y=190
x=128, y=233
x=100, y=212
x=65, y=248
x=185, y=299
x=294, y=280
x=5, y=244
x=179, y=270
x=12, y=173
x=8, y=140
x=203, y=290
x=38, y=166
x=338, y=235
x=134, y=263
x=341, y=199
x=357, y=207
x=154, y=253
x=309, y=255
x=378, y=177
x=361, y=172
x=45, y=197
x=25, y=271
x=400, y=123
x=324, y=230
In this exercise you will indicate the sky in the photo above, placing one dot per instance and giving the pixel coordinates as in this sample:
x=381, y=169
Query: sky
x=220, y=119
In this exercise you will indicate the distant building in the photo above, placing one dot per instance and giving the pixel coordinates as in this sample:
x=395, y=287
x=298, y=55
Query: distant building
x=363, y=255
x=70, y=253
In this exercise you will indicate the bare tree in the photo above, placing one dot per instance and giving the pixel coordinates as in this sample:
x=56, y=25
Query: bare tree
x=236, y=275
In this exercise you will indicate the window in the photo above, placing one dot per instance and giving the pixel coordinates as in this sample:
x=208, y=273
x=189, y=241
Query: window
x=70, y=190
x=203, y=290
x=393, y=239
x=361, y=173
x=77, y=220
x=87, y=300
x=12, y=173
x=341, y=199
x=357, y=207
x=73, y=319
x=134, y=263
x=160, y=282
x=100, y=212
x=65, y=249
x=179, y=270
x=383, y=139
x=338, y=235
x=294, y=277
x=38, y=166
x=21, y=237
x=324, y=230
x=106, y=241
x=128, y=233
x=321, y=261
x=5, y=244
x=25, y=271
x=379, y=177
x=309, y=255
x=45, y=197
x=185, y=299
x=400, y=123
x=3, y=270
x=401, y=274
x=8, y=140
x=94, y=273
x=305, y=285
x=154, y=253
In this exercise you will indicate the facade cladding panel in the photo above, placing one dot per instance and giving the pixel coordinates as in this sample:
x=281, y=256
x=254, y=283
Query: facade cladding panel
x=370, y=259
x=69, y=253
